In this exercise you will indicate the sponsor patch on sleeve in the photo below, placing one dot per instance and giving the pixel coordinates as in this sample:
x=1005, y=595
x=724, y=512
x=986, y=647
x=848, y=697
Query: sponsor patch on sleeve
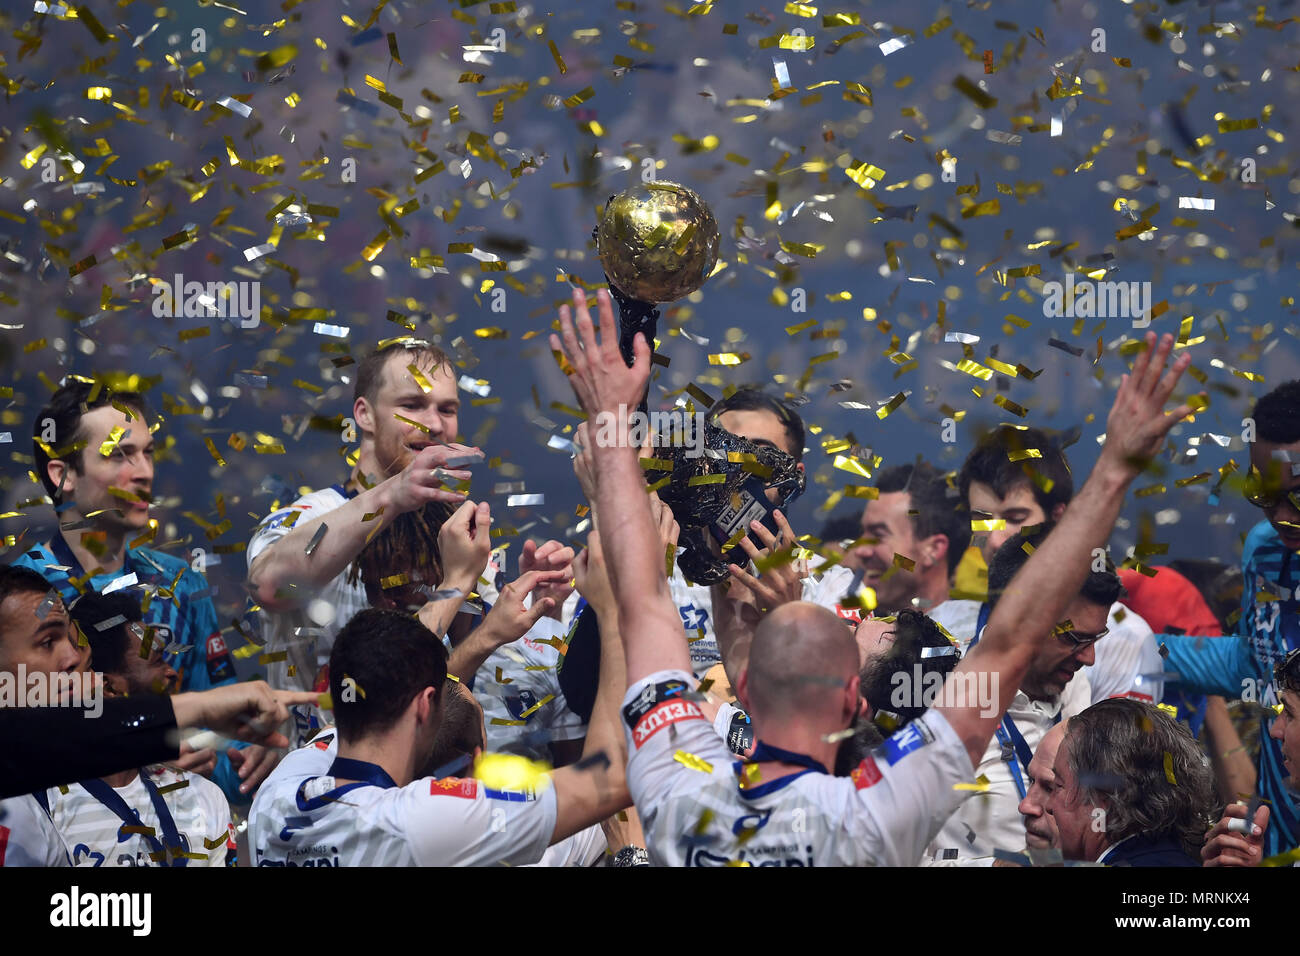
x=465, y=787
x=652, y=694
x=912, y=737
x=660, y=716
x=216, y=647
x=866, y=774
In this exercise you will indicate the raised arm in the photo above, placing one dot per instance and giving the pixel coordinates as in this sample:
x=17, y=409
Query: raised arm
x=1038, y=595
x=609, y=391
x=285, y=576
x=595, y=788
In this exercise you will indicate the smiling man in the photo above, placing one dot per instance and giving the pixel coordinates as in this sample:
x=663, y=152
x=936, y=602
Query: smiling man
x=94, y=451
x=407, y=410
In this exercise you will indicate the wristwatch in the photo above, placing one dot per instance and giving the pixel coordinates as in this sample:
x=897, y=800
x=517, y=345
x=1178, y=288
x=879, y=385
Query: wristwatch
x=631, y=856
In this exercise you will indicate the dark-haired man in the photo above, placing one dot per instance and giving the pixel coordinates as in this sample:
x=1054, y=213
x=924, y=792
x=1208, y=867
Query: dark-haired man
x=114, y=626
x=989, y=819
x=1132, y=788
x=801, y=685
x=1269, y=626
x=914, y=534
x=371, y=808
x=1019, y=477
x=94, y=454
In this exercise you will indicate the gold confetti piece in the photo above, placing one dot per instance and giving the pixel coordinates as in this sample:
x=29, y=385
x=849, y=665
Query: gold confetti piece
x=976, y=95
x=247, y=651
x=109, y=445
x=273, y=657
x=559, y=60
x=1169, y=768
x=394, y=580
x=498, y=722
x=693, y=762
x=537, y=706
x=412, y=422
x=706, y=480
x=981, y=785
x=891, y=406
x=1003, y=402
x=214, y=842
x=906, y=563
x=178, y=785
x=988, y=524
x=142, y=830
x=990, y=207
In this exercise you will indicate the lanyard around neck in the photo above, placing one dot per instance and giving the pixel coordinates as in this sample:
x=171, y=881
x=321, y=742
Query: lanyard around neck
x=110, y=798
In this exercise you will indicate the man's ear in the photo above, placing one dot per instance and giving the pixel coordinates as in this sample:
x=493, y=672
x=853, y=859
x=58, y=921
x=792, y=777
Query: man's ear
x=426, y=705
x=364, y=415
x=62, y=476
x=935, y=549
x=1058, y=509
x=853, y=700
x=741, y=689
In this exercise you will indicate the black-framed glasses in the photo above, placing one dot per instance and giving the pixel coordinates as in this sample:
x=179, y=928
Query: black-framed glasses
x=1078, y=640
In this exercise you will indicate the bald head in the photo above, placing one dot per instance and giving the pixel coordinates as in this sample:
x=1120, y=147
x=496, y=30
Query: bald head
x=801, y=656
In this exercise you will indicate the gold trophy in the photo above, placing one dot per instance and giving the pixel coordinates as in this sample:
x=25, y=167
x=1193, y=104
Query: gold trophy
x=657, y=242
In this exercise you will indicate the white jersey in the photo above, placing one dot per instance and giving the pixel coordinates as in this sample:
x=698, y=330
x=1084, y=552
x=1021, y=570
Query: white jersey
x=305, y=635
x=28, y=837
x=523, y=706
x=989, y=819
x=685, y=785
x=92, y=831
x=1128, y=660
x=300, y=818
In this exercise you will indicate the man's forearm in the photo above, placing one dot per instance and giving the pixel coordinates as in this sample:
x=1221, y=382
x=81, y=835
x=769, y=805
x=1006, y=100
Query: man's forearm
x=468, y=656
x=1055, y=572
x=633, y=557
x=285, y=576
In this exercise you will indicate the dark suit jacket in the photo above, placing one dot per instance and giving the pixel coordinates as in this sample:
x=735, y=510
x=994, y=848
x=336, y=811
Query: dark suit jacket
x=1150, y=849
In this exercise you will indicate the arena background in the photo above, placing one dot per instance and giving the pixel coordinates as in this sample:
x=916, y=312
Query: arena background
x=436, y=169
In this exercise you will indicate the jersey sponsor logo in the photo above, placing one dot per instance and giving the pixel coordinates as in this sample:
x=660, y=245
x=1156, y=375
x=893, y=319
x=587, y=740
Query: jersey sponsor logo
x=849, y=613
x=753, y=822
x=912, y=737
x=751, y=855
x=693, y=618
x=651, y=695
x=216, y=647
x=220, y=666
x=518, y=704
x=866, y=774
x=465, y=787
x=668, y=712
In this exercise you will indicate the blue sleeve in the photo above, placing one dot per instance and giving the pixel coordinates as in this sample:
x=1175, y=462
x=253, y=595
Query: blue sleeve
x=207, y=665
x=1209, y=665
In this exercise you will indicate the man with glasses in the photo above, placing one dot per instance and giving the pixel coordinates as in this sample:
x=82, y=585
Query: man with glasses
x=989, y=820
x=1268, y=628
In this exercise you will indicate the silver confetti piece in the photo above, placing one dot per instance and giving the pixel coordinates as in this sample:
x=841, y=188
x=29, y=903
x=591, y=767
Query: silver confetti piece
x=519, y=501
x=114, y=621
x=315, y=539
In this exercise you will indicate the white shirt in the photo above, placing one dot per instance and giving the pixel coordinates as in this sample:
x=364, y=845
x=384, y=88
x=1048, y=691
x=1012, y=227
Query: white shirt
x=528, y=685
x=299, y=818
x=91, y=830
x=698, y=816
x=989, y=820
x=305, y=634
x=1128, y=660
x=28, y=837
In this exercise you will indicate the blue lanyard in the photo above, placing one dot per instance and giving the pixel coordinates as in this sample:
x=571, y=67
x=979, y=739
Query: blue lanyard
x=1015, y=750
x=110, y=798
x=369, y=773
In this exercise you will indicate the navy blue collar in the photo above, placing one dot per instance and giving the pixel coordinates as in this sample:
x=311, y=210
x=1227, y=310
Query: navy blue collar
x=766, y=753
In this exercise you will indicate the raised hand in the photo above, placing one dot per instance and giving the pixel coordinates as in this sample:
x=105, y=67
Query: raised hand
x=593, y=576
x=783, y=581
x=509, y=620
x=1138, y=423
x=551, y=556
x=600, y=378
x=424, y=479
x=464, y=544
